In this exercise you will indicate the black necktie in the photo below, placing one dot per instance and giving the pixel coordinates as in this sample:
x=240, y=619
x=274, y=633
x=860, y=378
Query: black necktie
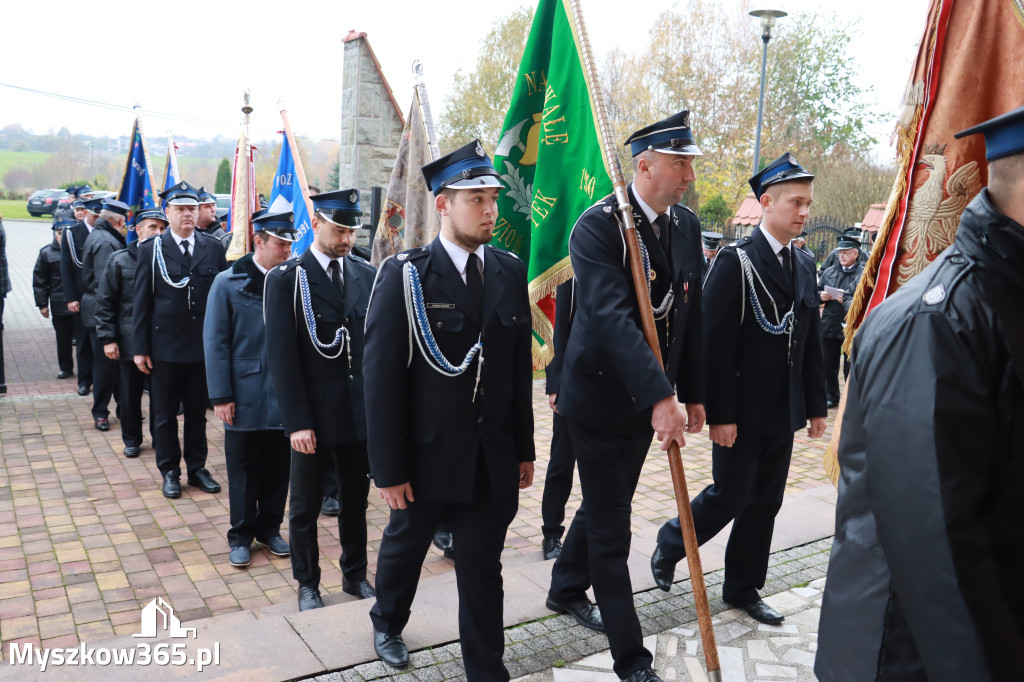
x=662, y=222
x=334, y=270
x=787, y=263
x=188, y=256
x=475, y=281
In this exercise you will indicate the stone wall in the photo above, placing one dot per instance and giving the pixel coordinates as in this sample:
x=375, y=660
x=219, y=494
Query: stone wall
x=371, y=126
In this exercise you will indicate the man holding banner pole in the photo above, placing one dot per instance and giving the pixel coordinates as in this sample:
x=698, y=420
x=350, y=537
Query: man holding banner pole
x=614, y=393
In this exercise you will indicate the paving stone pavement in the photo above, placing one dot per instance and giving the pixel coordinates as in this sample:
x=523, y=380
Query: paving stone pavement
x=556, y=649
x=87, y=539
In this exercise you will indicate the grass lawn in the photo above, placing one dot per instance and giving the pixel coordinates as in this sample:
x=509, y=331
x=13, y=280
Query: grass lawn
x=26, y=160
x=14, y=209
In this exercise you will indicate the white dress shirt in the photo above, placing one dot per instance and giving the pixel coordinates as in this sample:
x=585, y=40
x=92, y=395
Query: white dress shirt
x=649, y=212
x=460, y=256
x=776, y=245
x=191, y=242
x=324, y=260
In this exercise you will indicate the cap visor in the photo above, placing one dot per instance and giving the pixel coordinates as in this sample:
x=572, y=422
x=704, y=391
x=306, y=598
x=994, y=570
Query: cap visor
x=479, y=182
x=183, y=201
x=688, y=150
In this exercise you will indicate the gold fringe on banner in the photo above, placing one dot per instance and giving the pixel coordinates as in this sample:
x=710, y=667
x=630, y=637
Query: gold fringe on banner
x=540, y=288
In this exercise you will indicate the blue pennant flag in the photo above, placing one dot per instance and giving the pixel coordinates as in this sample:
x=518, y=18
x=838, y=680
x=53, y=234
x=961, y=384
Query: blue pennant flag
x=287, y=195
x=171, y=175
x=137, y=183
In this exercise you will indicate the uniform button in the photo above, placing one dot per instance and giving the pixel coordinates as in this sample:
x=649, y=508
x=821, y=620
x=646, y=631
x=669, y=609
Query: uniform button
x=440, y=325
x=346, y=321
x=351, y=377
x=480, y=419
x=481, y=392
x=600, y=373
x=318, y=316
x=513, y=318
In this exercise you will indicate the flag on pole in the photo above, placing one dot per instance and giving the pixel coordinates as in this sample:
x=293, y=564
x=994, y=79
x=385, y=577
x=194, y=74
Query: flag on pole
x=290, y=191
x=550, y=159
x=244, y=199
x=137, y=181
x=966, y=72
x=171, y=175
x=409, y=218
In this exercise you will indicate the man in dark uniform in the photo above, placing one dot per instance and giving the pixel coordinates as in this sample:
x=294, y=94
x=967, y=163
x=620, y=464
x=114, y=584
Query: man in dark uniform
x=854, y=234
x=924, y=581
x=711, y=242
x=71, y=245
x=562, y=460
x=172, y=281
x=207, y=222
x=107, y=236
x=113, y=312
x=450, y=442
x=614, y=393
x=256, y=449
x=49, y=297
x=836, y=287
x=65, y=209
x=315, y=309
x=764, y=380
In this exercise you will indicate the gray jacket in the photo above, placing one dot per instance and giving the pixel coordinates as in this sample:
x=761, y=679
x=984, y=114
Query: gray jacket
x=234, y=338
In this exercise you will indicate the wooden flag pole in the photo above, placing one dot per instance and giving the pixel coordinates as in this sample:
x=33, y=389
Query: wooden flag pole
x=299, y=173
x=606, y=137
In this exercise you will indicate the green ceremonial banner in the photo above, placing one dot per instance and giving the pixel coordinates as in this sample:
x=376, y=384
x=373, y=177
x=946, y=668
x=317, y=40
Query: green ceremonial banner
x=550, y=159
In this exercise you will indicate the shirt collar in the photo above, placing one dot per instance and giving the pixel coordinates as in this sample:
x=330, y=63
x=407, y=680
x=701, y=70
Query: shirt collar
x=648, y=211
x=460, y=256
x=324, y=260
x=776, y=245
x=178, y=240
x=258, y=266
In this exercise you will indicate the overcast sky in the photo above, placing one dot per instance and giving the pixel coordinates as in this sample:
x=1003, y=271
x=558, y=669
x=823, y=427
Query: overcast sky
x=194, y=60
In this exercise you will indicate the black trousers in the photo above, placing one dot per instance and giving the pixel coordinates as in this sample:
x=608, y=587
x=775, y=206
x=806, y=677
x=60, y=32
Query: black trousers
x=832, y=349
x=596, y=547
x=131, y=382
x=749, y=484
x=257, y=463
x=480, y=528
x=307, y=484
x=105, y=379
x=83, y=351
x=64, y=328
x=558, y=479
x=331, y=482
x=174, y=383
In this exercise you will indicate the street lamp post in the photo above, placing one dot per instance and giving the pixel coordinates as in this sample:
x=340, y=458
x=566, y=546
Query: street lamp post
x=767, y=17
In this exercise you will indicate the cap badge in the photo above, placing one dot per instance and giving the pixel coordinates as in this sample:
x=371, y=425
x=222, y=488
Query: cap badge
x=480, y=150
x=607, y=209
x=935, y=295
x=353, y=197
x=792, y=159
x=183, y=186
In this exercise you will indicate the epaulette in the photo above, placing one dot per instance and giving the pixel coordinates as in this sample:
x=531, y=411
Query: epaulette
x=507, y=253
x=411, y=254
x=207, y=236
x=742, y=241
x=147, y=239
x=288, y=264
x=684, y=206
x=360, y=260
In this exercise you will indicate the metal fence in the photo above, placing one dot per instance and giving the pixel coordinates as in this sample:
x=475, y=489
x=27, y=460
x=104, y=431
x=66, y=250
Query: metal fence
x=823, y=233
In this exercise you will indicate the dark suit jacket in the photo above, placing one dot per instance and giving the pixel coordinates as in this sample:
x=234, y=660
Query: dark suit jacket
x=114, y=298
x=168, y=322
x=102, y=243
x=46, y=280
x=564, y=301
x=424, y=427
x=314, y=392
x=70, y=273
x=754, y=379
x=610, y=379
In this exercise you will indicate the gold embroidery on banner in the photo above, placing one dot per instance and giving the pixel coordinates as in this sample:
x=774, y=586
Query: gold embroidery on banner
x=931, y=220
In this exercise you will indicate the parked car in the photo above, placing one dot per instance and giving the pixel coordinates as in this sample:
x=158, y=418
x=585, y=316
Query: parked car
x=223, y=200
x=45, y=201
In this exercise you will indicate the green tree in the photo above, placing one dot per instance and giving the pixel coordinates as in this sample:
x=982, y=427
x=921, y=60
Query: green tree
x=715, y=210
x=223, y=184
x=480, y=98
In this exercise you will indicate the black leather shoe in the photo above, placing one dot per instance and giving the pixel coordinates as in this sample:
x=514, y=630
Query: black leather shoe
x=552, y=548
x=444, y=541
x=83, y=390
x=131, y=451
x=391, y=649
x=330, y=507
x=65, y=375
x=202, y=479
x=359, y=588
x=829, y=404
x=276, y=545
x=645, y=675
x=761, y=612
x=309, y=598
x=239, y=557
x=663, y=570
x=102, y=424
x=586, y=614
x=172, y=485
